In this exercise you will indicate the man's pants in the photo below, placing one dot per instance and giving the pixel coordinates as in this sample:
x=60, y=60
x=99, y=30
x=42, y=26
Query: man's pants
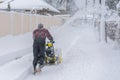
x=38, y=53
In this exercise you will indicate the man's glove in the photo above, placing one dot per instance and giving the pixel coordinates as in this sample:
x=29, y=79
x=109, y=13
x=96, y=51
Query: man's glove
x=52, y=41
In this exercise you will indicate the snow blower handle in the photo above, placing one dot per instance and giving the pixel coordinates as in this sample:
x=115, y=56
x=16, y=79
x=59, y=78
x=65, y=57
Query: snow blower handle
x=50, y=44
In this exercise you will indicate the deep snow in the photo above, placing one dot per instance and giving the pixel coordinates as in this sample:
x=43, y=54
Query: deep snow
x=30, y=4
x=14, y=43
x=84, y=57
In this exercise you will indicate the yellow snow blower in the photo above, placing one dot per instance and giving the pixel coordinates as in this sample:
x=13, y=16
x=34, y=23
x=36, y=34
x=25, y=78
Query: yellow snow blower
x=52, y=56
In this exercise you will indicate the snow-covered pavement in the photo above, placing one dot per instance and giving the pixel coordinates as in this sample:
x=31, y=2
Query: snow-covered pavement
x=12, y=47
x=83, y=57
x=14, y=70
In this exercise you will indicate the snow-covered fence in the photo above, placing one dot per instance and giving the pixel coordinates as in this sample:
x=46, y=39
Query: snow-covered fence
x=112, y=30
x=19, y=23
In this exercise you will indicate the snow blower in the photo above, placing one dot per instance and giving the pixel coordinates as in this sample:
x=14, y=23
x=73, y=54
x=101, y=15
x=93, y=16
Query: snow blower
x=52, y=56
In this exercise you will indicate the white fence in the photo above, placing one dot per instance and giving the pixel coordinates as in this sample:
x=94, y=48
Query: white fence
x=112, y=29
x=19, y=23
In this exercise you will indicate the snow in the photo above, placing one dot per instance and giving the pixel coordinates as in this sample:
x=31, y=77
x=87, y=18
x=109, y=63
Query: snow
x=28, y=4
x=14, y=43
x=15, y=68
x=12, y=47
x=118, y=5
x=80, y=3
x=84, y=57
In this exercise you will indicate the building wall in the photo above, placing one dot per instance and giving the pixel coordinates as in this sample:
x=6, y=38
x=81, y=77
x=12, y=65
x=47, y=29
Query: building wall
x=17, y=23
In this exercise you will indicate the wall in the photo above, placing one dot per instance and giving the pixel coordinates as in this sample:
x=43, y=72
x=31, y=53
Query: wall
x=18, y=23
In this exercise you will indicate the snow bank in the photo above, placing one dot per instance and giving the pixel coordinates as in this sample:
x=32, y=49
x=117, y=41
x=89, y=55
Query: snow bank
x=12, y=47
x=17, y=69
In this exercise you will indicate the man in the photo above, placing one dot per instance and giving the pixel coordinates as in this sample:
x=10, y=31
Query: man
x=39, y=36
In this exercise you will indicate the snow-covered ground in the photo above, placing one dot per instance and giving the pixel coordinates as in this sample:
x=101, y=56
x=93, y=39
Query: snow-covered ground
x=84, y=57
x=30, y=4
x=12, y=47
x=14, y=43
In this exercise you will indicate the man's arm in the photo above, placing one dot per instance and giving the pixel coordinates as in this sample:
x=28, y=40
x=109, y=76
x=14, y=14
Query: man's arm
x=34, y=34
x=49, y=35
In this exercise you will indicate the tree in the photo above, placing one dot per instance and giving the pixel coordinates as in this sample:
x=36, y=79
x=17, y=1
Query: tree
x=112, y=3
x=68, y=5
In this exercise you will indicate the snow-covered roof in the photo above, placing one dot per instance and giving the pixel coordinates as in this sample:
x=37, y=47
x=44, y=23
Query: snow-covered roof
x=27, y=4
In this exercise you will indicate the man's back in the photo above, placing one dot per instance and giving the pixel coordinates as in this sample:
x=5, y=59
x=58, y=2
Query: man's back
x=42, y=33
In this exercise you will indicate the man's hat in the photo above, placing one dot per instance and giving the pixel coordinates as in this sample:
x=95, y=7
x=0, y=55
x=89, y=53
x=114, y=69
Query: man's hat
x=40, y=25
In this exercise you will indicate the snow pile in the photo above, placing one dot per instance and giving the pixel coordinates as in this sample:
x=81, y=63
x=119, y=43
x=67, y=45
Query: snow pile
x=17, y=69
x=13, y=47
x=14, y=43
x=28, y=5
